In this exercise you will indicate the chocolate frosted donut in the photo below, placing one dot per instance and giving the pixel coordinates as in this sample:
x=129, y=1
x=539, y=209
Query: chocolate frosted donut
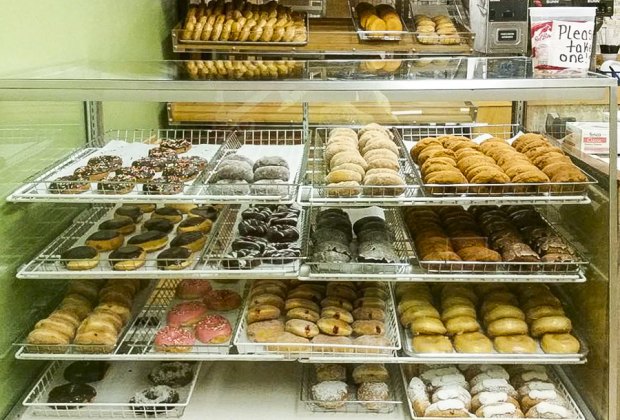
x=165, y=156
x=161, y=225
x=282, y=233
x=110, y=161
x=140, y=173
x=127, y=258
x=234, y=171
x=117, y=184
x=169, y=213
x=184, y=172
x=281, y=256
x=131, y=211
x=208, y=212
x=191, y=240
x=155, y=164
x=173, y=374
x=250, y=243
x=85, y=372
x=105, y=240
x=70, y=184
x=197, y=161
x=71, y=394
x=243, y=259
x=259, y=213
x=252, y=227
x=175, y=258
x=178, y=145
x=164, y=186
x=149, y=401
x=270, y=161
x=272, y=172
x=151, y=240
x=121, y=224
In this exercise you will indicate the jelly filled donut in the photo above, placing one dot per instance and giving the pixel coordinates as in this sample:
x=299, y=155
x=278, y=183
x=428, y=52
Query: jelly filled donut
x=127, y=258
x=80, y=258
x=175, y=258
x=222, y=300
x=69, y=184
x=105, y=240
x=213, y=329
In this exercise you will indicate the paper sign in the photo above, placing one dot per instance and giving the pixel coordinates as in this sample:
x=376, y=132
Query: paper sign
x=570, y=44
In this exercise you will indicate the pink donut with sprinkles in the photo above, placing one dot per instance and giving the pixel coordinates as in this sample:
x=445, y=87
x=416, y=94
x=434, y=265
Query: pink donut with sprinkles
x=213, y=329
x=186, y=314
x=174, y=340
x=193, y=289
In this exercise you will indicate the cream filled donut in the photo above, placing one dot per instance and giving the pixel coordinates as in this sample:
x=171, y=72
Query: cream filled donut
x=213, y=329
x=186, y=313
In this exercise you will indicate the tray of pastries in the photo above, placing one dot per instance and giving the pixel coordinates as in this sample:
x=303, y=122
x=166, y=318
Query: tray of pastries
x=310, y=320
x=370, y=163
x=92, y=317
x=141, y=240
x=243, y=69
x=507, y=239
x=363, y=388
x=356, y=241
x=494, y=321
x=440, y=25
x=526, y=166
x=242, y=23
x=187, y=317
x=377, y=21
x=151, y=165
x=487, y=391
x=259, y=165
x=257, y=241
x=96, y=389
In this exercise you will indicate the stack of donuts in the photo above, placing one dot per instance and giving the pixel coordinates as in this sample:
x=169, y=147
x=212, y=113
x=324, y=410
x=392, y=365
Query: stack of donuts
x=196, y=317
x=241, y=21
x=369, y=157
x=91, y=315
x=486, y=391
x=436, y=30
x=513, y=318
x=242, y=69
x=382, y=17
x=319, y=313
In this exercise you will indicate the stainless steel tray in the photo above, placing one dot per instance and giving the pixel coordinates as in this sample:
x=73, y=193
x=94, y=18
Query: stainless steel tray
x=365, y=35
x=407, y=375
x=121, y=382
x=352, y=404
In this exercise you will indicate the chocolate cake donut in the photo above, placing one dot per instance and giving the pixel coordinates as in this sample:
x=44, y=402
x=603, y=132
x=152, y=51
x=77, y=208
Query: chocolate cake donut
x=259, y=213
x=172, y=374
x=282, y=233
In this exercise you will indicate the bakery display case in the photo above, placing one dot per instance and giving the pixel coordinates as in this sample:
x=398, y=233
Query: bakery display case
x=355, y=228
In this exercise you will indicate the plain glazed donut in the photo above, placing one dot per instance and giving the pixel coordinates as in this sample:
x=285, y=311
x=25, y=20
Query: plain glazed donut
x=432, y=344
x=559, y=343
x=474, y=342
x=551, y=324
x=515, y=344
x=507, y=326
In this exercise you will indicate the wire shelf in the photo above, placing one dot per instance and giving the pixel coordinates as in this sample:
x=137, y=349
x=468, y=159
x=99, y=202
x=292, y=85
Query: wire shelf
x=352, y=404
x=49, y=263
x=217, y=264
x=528, y=192
x=315, y=270
x=130, y=145
x=320, y=352
x=121, y=382
x=407, y=373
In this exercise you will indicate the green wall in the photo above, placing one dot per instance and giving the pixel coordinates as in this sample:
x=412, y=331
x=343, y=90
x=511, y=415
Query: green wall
x=34, y=134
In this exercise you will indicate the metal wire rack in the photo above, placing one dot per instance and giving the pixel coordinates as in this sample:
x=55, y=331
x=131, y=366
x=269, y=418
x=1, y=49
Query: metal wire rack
x=408, y=372
x=218, y=264
x=320, y=352
x=549, y=192
x=130, y=145
x=121, y=382
x=288, y=143
x=352, y=404
x=315, y=270
x=49, y=263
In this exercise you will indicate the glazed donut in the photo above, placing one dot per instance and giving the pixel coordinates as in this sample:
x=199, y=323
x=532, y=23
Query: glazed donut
x=503, y=311
x=302, y=328
x=418, y=312
x=432, y=344
x=192, y=289
x=474, y=342
x=507, y=326
x=560, y=343
x=515, y=344
x=427, y=326
x=222, y=300
x=462, y=324
x=213, y=329
x=186, y=313
x=455, y=311
x=174, y=340
x=551, y=324
x=332, y=326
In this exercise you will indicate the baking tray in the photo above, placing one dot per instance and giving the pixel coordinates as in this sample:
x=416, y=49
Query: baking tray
x=293, y=351
x=215, y=260
x=48, y=263
x=315, y=190
x=396, y=229
x=288, y=143
x=365, y=35
x=121, y=382
x=177, y=35
x=352, y=405
x=141, y=336
x=130, y=145
x=407, y=375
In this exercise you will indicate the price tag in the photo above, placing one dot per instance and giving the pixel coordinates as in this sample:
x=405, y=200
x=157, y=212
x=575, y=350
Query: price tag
x=570, y=45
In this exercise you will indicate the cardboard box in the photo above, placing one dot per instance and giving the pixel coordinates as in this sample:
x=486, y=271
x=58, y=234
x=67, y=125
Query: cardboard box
x=589, y=137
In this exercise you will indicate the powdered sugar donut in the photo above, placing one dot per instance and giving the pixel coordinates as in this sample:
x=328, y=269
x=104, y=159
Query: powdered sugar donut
x=270, y=161
x=186, y=313
x=272, y=172
x=193, y=289
x=213, y=329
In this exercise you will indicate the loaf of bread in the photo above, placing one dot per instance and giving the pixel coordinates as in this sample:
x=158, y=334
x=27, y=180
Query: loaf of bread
x=241, y=21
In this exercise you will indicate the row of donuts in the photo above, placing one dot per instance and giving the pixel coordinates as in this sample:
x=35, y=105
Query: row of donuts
x=114, y=178
x=464, y=319
x=192, y=222
x=318, y=313
x=91, y=315
x=486, y=391
x=243, y=69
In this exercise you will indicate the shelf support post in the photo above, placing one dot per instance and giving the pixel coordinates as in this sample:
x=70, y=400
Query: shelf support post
x=93, y=112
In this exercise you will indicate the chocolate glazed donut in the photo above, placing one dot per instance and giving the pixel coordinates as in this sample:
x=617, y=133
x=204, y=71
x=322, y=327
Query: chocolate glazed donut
x=253, y=227
x=71, y=394
x=175, y=258
x=282, y=233
x=127, y=258
x=161, y=225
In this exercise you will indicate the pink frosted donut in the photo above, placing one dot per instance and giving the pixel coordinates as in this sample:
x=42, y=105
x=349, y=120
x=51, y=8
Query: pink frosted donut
x=174, y=340
x=186, y=314
x=213, y=329
x=193, y=289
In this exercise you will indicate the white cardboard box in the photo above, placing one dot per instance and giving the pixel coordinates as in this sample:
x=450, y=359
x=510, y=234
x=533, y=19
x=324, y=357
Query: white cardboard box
x=589, y=137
